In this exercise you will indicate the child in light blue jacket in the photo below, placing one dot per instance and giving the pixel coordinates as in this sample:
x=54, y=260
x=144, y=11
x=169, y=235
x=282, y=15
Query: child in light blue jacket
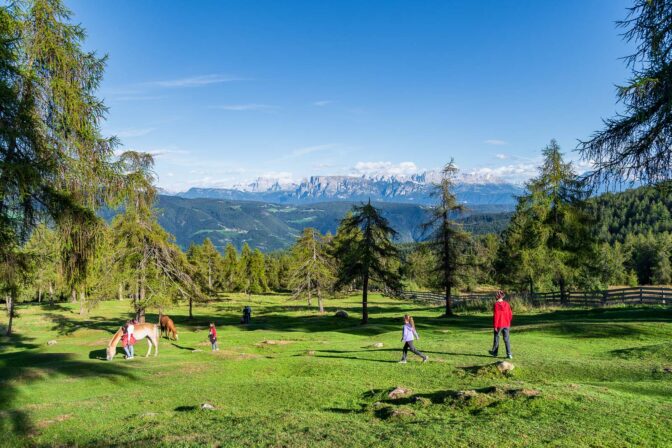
x=408, y=335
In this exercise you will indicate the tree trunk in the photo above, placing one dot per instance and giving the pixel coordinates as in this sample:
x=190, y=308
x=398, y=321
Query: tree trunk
x=10, y=310
x=140, y=305
x=449, y=301
x=310, y=292
x=82, y=302
x=191, y=305
x=563, y=296
x=39, y=295
x=74, y=296
x=320, y=305
x=120, y=294
x=51, y=293
x=209, y=276
x=365, y=298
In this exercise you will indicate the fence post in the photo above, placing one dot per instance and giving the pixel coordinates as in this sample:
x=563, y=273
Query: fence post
x=641, y=295
x=605, y=297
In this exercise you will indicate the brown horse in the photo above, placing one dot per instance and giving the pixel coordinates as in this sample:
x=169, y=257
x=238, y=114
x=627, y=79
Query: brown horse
x=142, y=331
x=167, y=326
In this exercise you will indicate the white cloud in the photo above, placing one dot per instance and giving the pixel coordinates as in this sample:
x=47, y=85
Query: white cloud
x=310, y=150
x=322, y=103
x=127, y=133
x=516, y=173
x=246, y=107
x=385, y=169
x=496, y=142
x=195, y=81
x=501, y=156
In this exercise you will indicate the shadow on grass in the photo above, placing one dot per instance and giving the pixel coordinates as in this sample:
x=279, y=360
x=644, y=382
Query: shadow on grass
x=22, y=368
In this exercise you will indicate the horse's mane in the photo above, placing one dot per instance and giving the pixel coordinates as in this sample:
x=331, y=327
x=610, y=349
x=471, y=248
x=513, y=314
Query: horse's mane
x=117, y=336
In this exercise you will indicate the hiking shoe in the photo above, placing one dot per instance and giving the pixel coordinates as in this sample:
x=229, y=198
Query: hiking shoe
x=403, y=361
x=492, y=353
x=425, y=359
x=509, y=356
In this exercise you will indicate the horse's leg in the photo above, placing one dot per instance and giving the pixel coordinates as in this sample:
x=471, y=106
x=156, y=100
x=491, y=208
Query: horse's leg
x=149, y=346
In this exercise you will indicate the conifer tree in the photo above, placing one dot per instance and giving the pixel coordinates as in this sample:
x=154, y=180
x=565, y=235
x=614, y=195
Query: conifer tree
x=311, y=269
x=635, y=145
x=447, y=240
x=364, y=246
x=550, y=236
x=230, y=279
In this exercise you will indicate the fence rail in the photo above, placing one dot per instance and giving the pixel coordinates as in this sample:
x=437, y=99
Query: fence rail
x=645, y=295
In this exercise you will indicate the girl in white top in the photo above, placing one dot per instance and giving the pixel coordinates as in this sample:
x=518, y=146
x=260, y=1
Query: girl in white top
x=408, y=335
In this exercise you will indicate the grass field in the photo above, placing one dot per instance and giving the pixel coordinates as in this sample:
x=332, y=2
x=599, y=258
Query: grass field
x=601, y=375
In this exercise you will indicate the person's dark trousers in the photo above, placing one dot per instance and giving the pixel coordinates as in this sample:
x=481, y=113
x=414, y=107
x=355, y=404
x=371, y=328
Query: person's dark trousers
x=505, y=334
x=409, y=346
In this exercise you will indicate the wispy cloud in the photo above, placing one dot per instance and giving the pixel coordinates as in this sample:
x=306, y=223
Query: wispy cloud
x=195, y=81
x=127, y=133
x=322, y=103
x=311, y=150
x=246, y=107
x=385, y=169
x=496, y=142
x=501, y=156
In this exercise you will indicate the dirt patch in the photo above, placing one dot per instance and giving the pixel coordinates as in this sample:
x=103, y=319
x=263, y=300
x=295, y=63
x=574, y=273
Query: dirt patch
x=269, y=342
x=193, y=368
x=59, y=418
x=228, y=354
x=29, y=375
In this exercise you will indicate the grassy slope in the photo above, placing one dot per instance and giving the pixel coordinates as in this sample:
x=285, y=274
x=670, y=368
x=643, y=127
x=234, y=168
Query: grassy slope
x=599, y=373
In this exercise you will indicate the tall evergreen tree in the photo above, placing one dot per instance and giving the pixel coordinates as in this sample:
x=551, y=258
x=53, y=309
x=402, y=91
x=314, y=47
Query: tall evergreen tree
x=551, y=235
x=636, y=144
x=159, y=269
x=208, y=265
x=447, y=240
x=364, y=246
x=54, y=163
x=230, y=278
x=311, y=269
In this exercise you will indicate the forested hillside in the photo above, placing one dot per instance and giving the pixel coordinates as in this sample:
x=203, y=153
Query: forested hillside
x=272, y=227
x=633, y=212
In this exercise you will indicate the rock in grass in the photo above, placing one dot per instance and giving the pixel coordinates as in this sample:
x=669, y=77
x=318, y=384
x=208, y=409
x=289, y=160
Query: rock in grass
x=310, y=353
x=398, y=392
x=529, y=393
x=377, y=345
x=401, y=413
x=52, y=342
x=505, y=366
x=196, y=350
x=421, y=401
x=207, y=407
x=667, y=369
x=466, y=395
x=341, y=314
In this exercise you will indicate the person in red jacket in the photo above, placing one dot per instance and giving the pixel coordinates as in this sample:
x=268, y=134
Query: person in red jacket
x=212, y=335
x=502, y=324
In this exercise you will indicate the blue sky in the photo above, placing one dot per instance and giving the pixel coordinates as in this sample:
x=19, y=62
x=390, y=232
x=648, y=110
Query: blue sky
x=225, y=91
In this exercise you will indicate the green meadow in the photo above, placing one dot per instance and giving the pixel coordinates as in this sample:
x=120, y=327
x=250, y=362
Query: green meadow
x=582, y=377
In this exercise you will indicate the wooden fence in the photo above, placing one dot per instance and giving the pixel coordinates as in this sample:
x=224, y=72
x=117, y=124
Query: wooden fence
x=644, y=295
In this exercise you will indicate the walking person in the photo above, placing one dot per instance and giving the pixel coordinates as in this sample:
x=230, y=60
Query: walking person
x=408, y=335
x=212, y=335
x=128, y=339
x=502, y=316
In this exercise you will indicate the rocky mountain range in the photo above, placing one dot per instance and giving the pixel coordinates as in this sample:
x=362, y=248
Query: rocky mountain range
x=415, y=189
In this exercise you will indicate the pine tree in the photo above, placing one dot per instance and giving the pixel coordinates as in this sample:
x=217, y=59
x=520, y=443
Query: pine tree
x=159, y=269
x=56, y=165
x=362, y=248
x=636, y=144
x=550, y=237
x=447, y=240
x=208, y=265
x=230, y=278
x=312, y=269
